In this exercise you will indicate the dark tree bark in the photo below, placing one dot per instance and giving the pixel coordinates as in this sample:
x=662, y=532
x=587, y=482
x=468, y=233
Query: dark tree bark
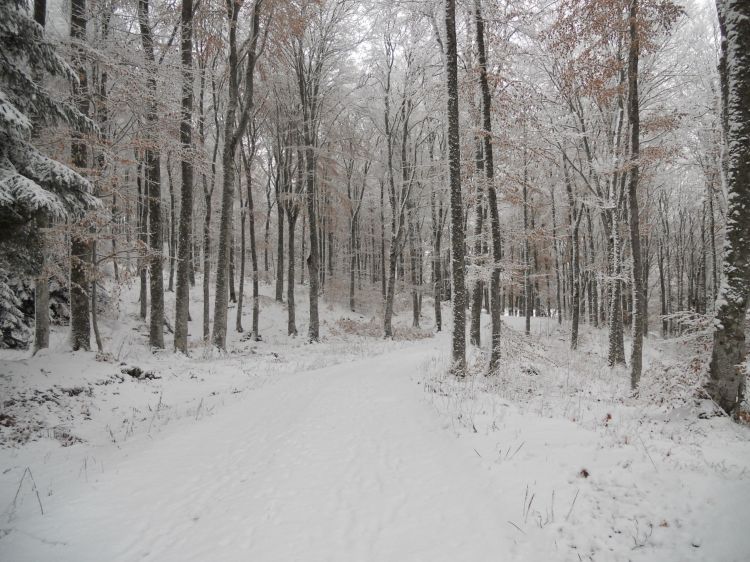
x=382, y=240
x=397, y=202
x=528, y=306
x=458, y=344
x=232, y=250
x=639, y=296
x=253, y=245
x=235, y=122
x=496, y=308
x=184, y=254
x=557, y=256
x=153, y=187
x=208, y=191
x=594, y=287
x=142, y=239
x=438, y=222
x=726, y=383
x=292, y=209
x=477, y=291
x=172, y=243
x=80, y=248
x=575, y=254
x=41, y=283
x=616, y=352
x=279, y=248
x=243, y=251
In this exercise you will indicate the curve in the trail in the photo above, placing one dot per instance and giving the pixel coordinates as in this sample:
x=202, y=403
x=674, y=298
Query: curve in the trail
x=344, y=463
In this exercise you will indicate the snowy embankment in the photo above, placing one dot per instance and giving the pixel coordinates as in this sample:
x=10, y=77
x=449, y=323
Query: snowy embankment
x=359, y=449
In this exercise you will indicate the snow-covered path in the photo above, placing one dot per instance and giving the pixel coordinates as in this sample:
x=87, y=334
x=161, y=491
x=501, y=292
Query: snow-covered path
x=345, y=463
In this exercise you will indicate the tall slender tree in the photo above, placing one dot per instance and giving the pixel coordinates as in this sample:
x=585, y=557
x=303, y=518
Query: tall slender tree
x=184, y=238
x=458, y=345
x=496, y=310
x=237, y=116
x=153, y=186
x=634, y=223
x=80, y=250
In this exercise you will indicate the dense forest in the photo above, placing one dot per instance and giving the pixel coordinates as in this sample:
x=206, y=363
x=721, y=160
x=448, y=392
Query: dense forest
x=370, y=280
x=580, y=160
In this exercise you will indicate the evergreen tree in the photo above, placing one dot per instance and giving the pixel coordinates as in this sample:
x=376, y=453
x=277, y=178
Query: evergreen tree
x=31, y=183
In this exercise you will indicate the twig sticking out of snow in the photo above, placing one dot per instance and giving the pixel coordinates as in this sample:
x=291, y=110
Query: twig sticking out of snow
x=647, y=453
x=18, y=492
x=572, y=505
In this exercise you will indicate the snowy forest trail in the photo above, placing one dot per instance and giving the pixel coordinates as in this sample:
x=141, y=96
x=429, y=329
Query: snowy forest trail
x=343, y=463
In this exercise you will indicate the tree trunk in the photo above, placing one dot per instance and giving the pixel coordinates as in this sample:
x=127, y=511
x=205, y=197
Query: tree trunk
x=241, y=291
x=153, y=188
x=172, y=229
x=616, y=354
x=206, y=260
x=475, y=328
x=253, y=244
x=712, y=231
x=143, y=240
x=458, y=344
x=437, y=268
x=233, y=132
x=557, y=257
x=184, y=251
x=496, y=306
x=726, y=383
x=382, y=241
x=41, y=283
x=41, y=295
x=414, y=265
x=94, y=311
x=80, y=251
x=290, y=306
x=352, y=258
x=575, y=254
x=302, y=253
x=639, y=297
x=232, y=251
x=279, y=251
x=313, y=260
x=526, y=251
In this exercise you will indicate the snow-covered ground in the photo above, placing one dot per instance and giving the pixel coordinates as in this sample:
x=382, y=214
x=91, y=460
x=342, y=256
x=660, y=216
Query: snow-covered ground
x=361, y=449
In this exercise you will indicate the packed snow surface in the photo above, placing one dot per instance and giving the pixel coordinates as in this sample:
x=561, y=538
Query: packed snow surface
x=356, y=449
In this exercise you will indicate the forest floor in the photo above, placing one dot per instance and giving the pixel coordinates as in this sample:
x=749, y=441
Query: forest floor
x=359, y=449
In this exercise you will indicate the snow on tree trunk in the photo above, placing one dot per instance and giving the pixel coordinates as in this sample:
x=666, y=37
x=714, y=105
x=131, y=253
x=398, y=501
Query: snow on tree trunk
x=726, y=371
x=458, y=344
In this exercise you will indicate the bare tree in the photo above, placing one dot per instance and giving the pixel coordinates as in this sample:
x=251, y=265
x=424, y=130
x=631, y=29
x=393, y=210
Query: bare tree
x=237, y=115
x=458, y=345
x=182, y=298
x=153, y=187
